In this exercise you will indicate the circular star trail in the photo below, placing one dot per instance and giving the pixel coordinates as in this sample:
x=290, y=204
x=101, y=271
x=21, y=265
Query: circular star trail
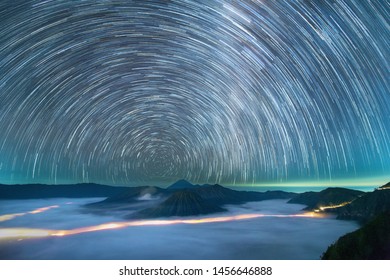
x=233, y=92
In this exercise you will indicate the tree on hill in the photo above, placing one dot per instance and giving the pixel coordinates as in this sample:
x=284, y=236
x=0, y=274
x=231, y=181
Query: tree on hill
x=371, y=242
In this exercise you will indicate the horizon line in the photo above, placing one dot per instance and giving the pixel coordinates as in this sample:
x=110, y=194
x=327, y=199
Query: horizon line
x=356, y=182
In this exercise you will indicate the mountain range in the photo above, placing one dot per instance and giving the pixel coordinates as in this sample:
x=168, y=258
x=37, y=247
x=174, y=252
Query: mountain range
x=181, y=199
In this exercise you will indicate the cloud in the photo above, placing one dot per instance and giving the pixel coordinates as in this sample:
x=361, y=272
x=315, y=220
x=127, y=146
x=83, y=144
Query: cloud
x=260, y=238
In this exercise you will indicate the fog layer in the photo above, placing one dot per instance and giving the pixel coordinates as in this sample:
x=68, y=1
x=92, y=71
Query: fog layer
x=260, y=238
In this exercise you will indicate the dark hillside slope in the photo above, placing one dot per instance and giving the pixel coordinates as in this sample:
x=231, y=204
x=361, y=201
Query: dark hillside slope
x=371, y=242
x=327, y=197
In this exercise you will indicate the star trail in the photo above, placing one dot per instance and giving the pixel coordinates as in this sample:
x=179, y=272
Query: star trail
x=232, y=92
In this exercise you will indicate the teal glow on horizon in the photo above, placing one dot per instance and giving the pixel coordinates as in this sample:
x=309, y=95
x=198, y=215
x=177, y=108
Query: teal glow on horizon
x=373, y=182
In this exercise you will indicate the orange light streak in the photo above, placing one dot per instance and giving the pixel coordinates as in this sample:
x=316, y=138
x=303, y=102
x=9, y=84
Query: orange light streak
x=322, y=208
x=8, y=217
x=43, y=209
x=10, y=233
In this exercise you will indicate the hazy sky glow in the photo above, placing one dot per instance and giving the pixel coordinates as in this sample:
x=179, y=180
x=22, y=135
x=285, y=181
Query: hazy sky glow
x=232, y=92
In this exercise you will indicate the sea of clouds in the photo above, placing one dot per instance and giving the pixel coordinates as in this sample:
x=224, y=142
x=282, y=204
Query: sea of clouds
x=260, y=238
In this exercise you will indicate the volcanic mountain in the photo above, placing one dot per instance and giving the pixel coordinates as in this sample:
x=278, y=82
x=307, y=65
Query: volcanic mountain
x=180, y=203
x=182, y=184
x=181, y=199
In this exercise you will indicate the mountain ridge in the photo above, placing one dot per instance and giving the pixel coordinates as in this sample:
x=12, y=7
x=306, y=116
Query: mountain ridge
x=366, y=207
x=181, y=203
x=327, y=197
x=211, y=197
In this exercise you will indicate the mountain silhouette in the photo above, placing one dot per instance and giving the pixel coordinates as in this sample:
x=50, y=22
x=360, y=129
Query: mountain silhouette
x=182, y=184
x=387, y=186
x=220, y=195
x=181, y=203
x=327, y=197
x=367, y=206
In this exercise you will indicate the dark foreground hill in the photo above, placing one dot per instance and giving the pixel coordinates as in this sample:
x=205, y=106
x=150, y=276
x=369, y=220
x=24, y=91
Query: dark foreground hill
x=327, y=197
x=34, y=191
x=371, y=242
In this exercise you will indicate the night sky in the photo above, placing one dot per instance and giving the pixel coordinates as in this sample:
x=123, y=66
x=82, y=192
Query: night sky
x=261, y=92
